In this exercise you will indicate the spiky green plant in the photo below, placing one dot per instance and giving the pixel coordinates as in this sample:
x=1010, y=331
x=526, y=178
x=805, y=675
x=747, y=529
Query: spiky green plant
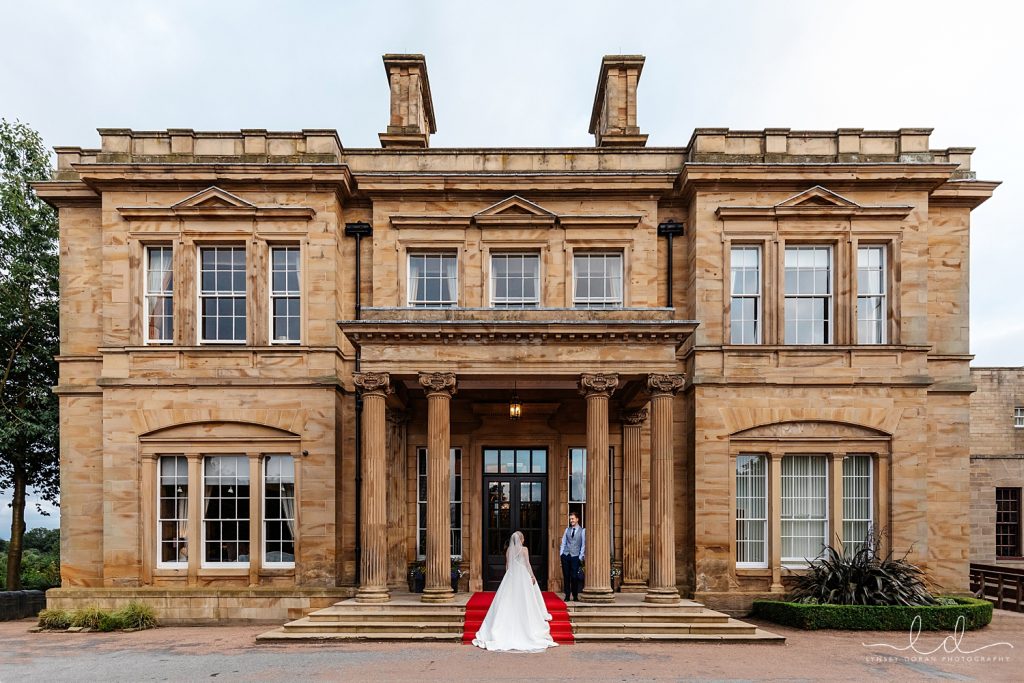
x=862, y=578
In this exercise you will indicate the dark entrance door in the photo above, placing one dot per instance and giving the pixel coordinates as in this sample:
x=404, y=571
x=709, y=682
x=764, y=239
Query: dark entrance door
x=515, y=499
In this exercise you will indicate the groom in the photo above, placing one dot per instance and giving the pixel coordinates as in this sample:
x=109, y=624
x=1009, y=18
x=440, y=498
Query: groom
x=574, y=545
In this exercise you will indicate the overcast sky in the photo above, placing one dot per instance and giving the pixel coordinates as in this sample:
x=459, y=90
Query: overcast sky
x=523, y=74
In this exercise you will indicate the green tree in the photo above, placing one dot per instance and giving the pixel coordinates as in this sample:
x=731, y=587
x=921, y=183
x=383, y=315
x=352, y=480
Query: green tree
x=29, y=337
x=46, y=541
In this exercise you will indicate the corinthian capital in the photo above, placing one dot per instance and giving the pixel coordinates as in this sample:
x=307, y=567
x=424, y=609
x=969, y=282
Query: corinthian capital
x=596, y=383
x=373, y=382
x=635, y=418
x=665, y=384
x=438, y=382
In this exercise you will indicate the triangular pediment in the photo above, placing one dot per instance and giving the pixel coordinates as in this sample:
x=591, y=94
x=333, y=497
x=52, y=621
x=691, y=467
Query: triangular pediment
x=515, y=206
x=818, y=196
x=213, y=198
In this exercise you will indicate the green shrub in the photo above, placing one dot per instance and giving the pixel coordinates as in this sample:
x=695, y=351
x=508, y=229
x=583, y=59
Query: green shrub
x=863, y=578
x=136, y=615
x=941, y=617
x=110, y=621
x=87, y=617
x=54, y=619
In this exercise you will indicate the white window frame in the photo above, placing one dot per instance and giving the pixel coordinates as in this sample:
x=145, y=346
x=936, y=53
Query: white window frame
x=882, y=296
x=421, y=523
x=265, y=519
x=757, y=297
x=201, y=296
x=798, y=562
x=285, y=294
x=829, y=329
x=583, y=503
x=179, y=564
x=514, y=302
x=202, y=515
x=870, y=500
x=147, y=294
x=448, y=303
x=1018, y=417
x=764, y=520
x=599, y=302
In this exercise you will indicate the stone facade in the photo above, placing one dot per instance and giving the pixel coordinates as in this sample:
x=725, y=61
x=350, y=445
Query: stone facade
x=649, y=372
x=997, y=454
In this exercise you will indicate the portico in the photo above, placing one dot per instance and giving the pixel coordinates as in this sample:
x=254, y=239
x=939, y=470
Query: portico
x=587, y=385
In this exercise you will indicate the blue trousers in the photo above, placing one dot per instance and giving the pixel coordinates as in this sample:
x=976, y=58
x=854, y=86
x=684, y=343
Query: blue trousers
x=570, y=570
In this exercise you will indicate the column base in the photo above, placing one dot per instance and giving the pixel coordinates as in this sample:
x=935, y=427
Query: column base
x=634, y=586
x=438, y=595
x=373, y=595
x=662, y=596
x=601, y=595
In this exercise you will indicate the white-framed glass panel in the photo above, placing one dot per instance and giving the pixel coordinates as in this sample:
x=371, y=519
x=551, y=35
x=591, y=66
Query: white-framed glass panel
x=577, y=466
x=745, y=309
x=597, y=280
x=1018, y=418
x=433, y=280
x=454, y=499
x=751, y=511
x=808, y=286
x=158, y=311
x=515, y=280
x=285, y=295
x=857, y=502
x=226, y=511
x=172, y=511
x=222, y=282
x=871, y=295
x=279, y=511
x=804, y=507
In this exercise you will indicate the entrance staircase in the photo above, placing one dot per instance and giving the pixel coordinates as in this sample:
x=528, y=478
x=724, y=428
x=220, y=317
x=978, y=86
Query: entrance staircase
x=405, y=618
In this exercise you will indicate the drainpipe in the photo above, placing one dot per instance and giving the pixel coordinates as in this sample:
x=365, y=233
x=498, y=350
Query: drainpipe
x=359, y=231
x=670, y=229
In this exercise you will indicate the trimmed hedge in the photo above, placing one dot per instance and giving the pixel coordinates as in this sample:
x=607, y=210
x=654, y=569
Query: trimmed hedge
x=976, y=614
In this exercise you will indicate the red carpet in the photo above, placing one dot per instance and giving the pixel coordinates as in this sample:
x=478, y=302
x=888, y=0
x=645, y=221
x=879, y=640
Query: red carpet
x=479, y=603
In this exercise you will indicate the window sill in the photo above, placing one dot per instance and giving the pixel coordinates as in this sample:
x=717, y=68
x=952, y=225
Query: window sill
x=753, y=571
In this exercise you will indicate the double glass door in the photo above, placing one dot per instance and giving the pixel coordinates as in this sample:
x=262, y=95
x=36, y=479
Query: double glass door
x=515, y=499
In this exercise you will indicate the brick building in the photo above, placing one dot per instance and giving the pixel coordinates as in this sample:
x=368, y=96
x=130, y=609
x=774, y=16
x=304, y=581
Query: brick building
x=288, y=367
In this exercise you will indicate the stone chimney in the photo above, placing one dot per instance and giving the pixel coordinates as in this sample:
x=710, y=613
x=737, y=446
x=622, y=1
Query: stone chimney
x=613, y=121
x=412, y=110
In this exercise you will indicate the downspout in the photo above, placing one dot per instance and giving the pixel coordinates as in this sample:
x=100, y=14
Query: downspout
x=669, y=229
x=359, y=230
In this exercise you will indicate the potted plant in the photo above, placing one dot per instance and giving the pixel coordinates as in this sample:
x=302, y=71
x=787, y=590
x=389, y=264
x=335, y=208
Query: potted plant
x=616, y=579
x=457, y=573
x=417, y=577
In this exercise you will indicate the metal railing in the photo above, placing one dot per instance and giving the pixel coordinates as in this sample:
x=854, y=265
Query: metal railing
x=1004, y=586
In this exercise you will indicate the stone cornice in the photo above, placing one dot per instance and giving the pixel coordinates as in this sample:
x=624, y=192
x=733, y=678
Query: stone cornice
x=373, y=183
x=66, y=193
x=966, y=193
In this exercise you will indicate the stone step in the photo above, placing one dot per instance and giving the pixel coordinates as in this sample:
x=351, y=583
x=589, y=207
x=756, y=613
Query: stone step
x=280, y=634
x=351, y=614
x=640, y=615
x=758, y=636
x=654, y=628
x=390, y=626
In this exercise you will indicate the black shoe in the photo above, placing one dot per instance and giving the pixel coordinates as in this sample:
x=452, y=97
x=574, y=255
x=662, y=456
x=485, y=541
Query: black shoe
x=566, y=599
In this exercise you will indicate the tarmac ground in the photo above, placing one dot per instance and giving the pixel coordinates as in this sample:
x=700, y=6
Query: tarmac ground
x=230, y=653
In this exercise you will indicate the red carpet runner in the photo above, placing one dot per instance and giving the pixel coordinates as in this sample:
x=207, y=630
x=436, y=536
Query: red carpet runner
x=476, y=610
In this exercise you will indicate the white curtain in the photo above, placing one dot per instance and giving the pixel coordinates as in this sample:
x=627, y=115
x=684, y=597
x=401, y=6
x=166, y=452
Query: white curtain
x=449, y=283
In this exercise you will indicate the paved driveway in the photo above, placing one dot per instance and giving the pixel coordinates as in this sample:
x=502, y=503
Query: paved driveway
x=229, y=653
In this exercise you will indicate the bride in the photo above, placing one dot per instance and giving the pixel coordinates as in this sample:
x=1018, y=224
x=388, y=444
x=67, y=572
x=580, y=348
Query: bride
x=517, y=618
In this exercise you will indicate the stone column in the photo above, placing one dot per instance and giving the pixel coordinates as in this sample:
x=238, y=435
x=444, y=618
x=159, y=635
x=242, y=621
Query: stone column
x=195, y=513
x=255, y=518
x=439, y=387
x=661, y=585
x=398, y=479
x=632, y=503
x=597, y=388
x=835, y=512
x=775, y=521
x=373, y=570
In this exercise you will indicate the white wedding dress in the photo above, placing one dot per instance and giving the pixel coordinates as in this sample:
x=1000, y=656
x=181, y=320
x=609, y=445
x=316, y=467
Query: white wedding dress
x=517, y=618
